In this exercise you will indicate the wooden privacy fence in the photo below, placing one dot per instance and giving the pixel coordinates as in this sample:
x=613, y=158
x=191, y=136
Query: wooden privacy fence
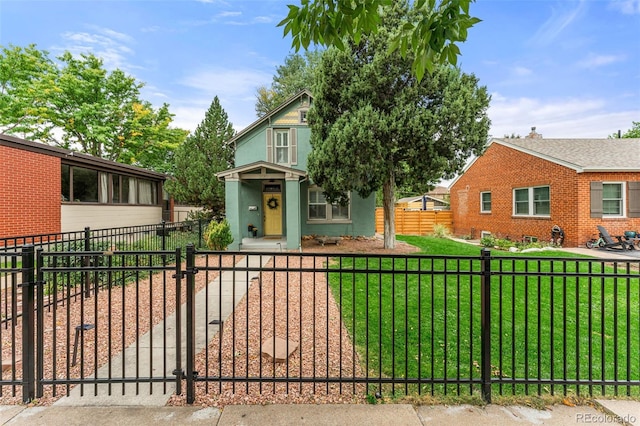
x=416, y=222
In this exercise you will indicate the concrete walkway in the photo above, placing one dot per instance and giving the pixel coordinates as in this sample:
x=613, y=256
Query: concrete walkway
x=603, y=412
x=149, y=351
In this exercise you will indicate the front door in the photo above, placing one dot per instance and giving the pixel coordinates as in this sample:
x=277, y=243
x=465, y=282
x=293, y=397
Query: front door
x=272, y=208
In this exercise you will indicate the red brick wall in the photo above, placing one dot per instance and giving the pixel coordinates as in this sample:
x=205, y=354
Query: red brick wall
x=502, y=169
x=29, y=193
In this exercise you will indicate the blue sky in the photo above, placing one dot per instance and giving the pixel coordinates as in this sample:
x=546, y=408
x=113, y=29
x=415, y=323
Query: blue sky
x=569, y=67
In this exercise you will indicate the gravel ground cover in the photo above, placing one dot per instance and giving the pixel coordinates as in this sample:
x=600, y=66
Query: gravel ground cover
x=311, y=317
x=134, y=309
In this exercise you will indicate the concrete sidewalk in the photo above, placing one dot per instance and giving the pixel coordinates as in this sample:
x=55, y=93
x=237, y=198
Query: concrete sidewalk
x=152, y=355
x=606, y=412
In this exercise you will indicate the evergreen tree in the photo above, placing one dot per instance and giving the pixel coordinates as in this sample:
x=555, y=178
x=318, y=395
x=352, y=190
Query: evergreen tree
x=203, y=154
x=375, y=125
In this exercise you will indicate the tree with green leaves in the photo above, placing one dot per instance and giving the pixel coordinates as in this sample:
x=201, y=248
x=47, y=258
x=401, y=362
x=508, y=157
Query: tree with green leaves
x=633, y=132
x=27, y=81
x=79, y=105
x=199, y=158
x=429, y=39
x=375, y=125
x=295, y=75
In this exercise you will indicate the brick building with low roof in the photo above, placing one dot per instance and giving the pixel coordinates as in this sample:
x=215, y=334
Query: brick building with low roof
x=46, y=189
x=523, y=187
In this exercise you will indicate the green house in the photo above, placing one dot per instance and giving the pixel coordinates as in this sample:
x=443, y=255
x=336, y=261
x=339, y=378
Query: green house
x=269, y=195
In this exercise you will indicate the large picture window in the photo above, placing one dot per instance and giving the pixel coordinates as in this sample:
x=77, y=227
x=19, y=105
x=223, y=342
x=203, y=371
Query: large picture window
x=533, y=201
x=321, y=209
x=83, y=185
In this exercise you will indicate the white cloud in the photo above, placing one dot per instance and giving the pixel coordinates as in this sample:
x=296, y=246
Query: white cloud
x=594, y=61
x=226, y=81
x=557, y=118
x=263, y=19
x=114, y=35
x=558, y=21
x=227, y=14
x=221, y=2
x=111, y=46
x=522, y=71
x=235, y=89
x=151, y=29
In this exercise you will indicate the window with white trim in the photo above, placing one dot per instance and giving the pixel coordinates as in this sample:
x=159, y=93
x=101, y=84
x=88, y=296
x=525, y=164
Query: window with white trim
x=532, y=201
x=282, y=146
x=321, y=209
x=612, y=199
x=485, y=202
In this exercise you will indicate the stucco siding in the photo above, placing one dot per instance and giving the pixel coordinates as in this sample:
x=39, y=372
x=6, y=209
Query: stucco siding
x=78, y=217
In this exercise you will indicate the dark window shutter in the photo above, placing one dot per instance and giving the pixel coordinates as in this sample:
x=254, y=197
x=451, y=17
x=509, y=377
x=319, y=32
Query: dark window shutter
x=634, y=199
x=293, y=140
x=596, y=199
x=270, y=145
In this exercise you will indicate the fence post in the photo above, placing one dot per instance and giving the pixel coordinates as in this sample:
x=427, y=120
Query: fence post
x=164, y=235
x=190, y=331
x=200, y=232
x=28, y=324
x=86, y=261
x=179, y=372
x=39, y=323
x=485, y=309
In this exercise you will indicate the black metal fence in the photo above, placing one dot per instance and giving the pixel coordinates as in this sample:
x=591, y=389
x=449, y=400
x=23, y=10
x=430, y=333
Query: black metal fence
x=234, y=325
x=160, y=236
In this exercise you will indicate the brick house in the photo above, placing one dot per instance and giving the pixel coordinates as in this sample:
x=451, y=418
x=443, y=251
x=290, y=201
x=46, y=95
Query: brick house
x=522, y=187
x=45, y=189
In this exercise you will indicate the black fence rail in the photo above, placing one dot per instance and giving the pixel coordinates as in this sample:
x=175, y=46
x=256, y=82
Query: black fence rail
x=265, y=326
x=160, y=236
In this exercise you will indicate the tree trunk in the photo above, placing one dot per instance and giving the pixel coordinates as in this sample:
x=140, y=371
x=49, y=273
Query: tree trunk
x=388, y=205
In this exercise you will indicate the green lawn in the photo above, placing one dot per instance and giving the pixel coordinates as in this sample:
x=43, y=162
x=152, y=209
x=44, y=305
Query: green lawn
x=420, y=319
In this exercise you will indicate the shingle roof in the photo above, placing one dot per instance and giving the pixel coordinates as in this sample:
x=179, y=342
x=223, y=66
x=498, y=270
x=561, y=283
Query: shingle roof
x=69, y=156
x=582, y=155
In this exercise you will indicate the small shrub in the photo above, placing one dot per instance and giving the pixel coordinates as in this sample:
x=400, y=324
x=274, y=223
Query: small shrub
x=440, y=231
x=218, y=236
x=488, y=241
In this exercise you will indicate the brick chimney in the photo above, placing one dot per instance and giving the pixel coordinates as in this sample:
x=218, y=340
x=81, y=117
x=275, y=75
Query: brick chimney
x=533, y=134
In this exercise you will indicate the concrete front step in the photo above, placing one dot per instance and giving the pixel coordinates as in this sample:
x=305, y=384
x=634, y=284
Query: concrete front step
x=263, y=244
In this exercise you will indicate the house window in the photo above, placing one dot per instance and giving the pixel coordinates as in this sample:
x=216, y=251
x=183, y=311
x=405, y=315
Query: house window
x=82, y=185
x=303, y=116
x=612, y=199
x=317, y=204
x=533, y=201
x=321, y=209
x=485, y=202
x=282, y=146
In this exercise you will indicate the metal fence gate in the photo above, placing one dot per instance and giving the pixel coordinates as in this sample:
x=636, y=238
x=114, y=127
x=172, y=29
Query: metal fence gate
x=238, y=325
